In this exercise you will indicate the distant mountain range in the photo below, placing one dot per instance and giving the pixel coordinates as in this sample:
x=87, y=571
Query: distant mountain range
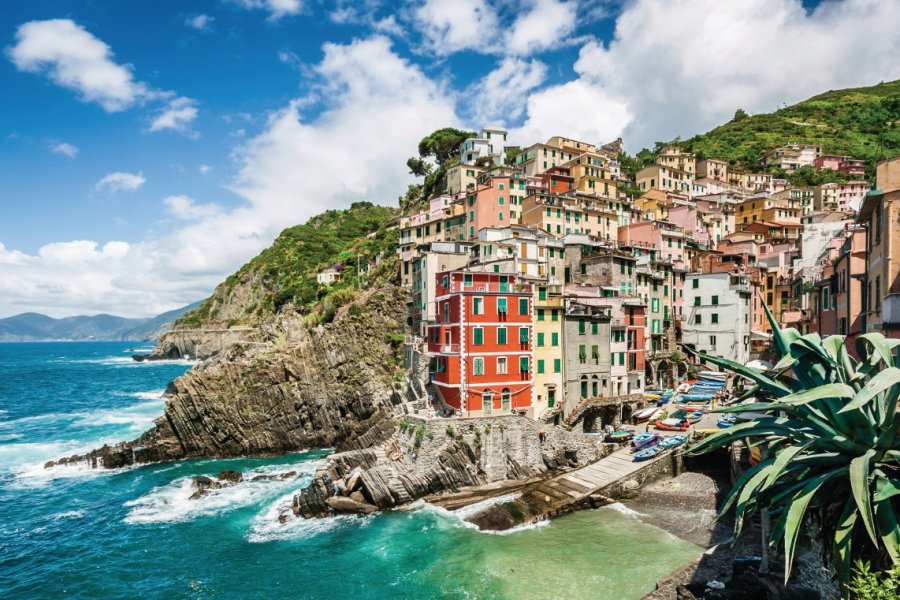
x=35, y=327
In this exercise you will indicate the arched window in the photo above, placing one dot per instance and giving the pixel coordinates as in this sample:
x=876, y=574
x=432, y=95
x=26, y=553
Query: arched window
x=487, y=401
x=584, y=386
x=506, y=400
x=594, y=385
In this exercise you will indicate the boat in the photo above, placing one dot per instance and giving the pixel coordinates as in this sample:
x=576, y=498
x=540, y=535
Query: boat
x=672, y=442
x=647, y=414
x=647, y=453
x=726, y=422
x=672, y=424
x=618, y=437
x=652, y=396
x=713, y=375
x=646, y=441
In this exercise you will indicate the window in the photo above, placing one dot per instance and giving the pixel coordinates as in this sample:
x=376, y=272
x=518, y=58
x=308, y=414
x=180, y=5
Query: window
x=557, y=365
x=554, y=339
x=582, y=353
x=714, y=318
x=478, y=365
x=698, y=320
x=487, y=401
x=715, y=300
x=540, y=366
x=501, y=336
x=523, y=306
x=540, y=314
x=712, y=341
x=523, y=364
x=584, y=388
x=697, y=300
x=594, y=390
x=523, y=335
x=540, y=340
x=696, y=283
x=595, y=354
x=478, y=336
x=467, y=280
x=477, y=306
x=595, y=328
x=542, y=293
x=501, y=306
x=554, y=314
x=501, y=365
x=446, y=312
x=505, y=399
x=654, y=305
x=581, y=327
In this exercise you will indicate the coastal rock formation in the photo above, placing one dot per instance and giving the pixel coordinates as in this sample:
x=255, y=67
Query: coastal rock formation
x=432, y=456
x=296, y=388
x=200, y=343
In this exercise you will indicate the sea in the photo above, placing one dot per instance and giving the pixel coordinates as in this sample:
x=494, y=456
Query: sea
x=73, y=532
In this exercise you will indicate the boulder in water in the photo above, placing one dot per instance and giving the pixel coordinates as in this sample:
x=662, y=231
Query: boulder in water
x=231, y=476
x=202, y=486
x=349, y=505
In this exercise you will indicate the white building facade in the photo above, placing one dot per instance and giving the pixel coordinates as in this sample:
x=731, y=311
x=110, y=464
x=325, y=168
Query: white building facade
x=717, y=315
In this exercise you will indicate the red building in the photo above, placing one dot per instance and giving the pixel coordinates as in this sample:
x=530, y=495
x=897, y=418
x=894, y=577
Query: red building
x=635, y=329
x=481, y=343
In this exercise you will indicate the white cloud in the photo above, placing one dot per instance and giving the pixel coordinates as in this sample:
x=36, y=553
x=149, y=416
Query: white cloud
x=501, y=96
x=295, y=169
x=73, y=58
x=276, y=8
x=119, y=181
x=754, y=55
x=64, y=148
x=184, y=207
x=176, y=116
x=199, y=22
x=449, y=27
x=205, y=169
x=546, y=25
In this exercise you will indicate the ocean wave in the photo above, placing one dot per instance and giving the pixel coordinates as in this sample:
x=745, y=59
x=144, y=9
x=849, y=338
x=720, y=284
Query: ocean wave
x=266, y=527
x=171, y=503
x=457, y=518
x=69, y=514
x=621, y=508
x=127, y=361
x=26, y=463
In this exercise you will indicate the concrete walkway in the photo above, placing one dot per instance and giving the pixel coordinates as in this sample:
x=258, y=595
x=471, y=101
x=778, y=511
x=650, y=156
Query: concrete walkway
x=575, y=486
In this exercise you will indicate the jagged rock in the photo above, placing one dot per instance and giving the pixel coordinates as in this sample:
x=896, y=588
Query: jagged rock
x=230, y=476
x=289, y=389
x=349, y=505
x=203, y=484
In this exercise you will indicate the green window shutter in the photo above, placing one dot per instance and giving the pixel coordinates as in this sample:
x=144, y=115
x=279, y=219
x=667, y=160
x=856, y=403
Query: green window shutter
x=540, y=314
x=523, y=306
x=715, y=300
x=698, y=319
x=540, y=339
x=523, y=364
x=501, y=335
x=557, y=365
x=696, y=283
x=696, y=300
x=622, y=268
x=540, y=366
x=478, y=366
x=584, y=389
x=523, y=335
x=595, y=352
x=554, y=339
x=554, y=314
x=595, y=328
x=715, y=318
x=477, y=305
x=542, y=293
x=478, y=336
x=467, y=279
x=581, y=327
x=581, y=351
x=501, y=306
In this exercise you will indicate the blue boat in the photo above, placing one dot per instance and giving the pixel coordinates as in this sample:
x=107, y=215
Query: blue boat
x=726, y=422
x=672, y=442
x=647, y=453
x=647, y=440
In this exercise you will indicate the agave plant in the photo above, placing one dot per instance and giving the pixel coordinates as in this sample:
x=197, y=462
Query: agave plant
x=830, y=437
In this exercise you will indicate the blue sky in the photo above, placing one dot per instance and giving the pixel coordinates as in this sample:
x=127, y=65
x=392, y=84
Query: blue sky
x=147, y=149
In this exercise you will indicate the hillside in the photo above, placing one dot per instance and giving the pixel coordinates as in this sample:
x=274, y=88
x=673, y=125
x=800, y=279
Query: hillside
x=35, y=327
x=855, y=122
x=285, y=272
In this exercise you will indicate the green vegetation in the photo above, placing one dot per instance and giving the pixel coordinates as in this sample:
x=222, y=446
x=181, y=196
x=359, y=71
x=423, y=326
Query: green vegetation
x=858, y=122
x=830, y=440
x=420, y=434
x=872, y=585
x=441, y=147
x=286, y=271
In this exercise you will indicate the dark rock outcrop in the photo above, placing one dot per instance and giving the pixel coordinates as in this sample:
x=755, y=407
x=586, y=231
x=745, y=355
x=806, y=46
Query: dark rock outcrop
x=296, y=388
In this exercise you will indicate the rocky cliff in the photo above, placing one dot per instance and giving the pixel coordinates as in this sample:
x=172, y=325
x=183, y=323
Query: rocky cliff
x=286, y=386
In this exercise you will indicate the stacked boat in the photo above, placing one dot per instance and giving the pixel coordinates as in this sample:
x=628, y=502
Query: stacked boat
x=702, y=392
x=649, y=451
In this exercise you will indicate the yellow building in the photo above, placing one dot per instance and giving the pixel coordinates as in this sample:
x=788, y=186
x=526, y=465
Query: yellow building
x=668, y=179
x=674, y=158
x=549, y=345
x=591, y=173
x=561, y=215
x=765, y=208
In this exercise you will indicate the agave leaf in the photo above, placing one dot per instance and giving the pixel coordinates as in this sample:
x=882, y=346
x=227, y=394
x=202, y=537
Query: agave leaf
x=886, y=488
x=884, y=380
x=781, y=462
x=829, y=390
x=768, y=425
x=889, y=528
x=796, y=512
x=747, y=496
x=786, y=362
x=880, y=349
x=765, y=382
x=859, y=483
x=739, y=485
x=752, y=392
x=843, y=539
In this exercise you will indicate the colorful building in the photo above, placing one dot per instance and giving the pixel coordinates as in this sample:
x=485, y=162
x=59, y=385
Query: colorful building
x=549, y=343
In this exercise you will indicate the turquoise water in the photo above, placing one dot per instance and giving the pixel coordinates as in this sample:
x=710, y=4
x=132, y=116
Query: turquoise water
x=133, y=533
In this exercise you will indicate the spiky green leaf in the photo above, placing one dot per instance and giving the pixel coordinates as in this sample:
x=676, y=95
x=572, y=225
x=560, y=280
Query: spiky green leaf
x=859, y=483
x=878, y=384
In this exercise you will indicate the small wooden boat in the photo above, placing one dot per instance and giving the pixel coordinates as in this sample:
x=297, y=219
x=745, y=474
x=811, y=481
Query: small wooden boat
x=647, y=414
x=672, y=442
x=645, y=441
x=647, y=453
x=672, y=425
x=726, y=422
x=618, y=437
x=652, y=396
x=713, y=375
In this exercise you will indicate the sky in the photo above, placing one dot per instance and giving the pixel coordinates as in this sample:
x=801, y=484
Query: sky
x=150, y=148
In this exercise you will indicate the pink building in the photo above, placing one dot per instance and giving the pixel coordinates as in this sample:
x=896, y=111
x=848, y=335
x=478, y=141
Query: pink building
x=495, y=203
x=666, y=238
x=831, y=162
x=688, y=218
